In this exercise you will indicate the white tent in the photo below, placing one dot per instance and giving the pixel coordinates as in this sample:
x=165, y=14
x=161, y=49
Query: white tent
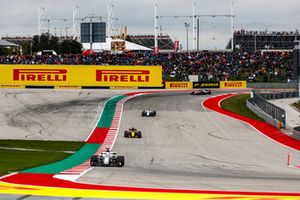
x=4, y=43
x=97, y=47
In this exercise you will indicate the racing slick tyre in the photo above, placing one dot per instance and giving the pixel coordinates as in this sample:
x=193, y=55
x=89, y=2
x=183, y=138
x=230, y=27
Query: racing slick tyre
x=154, y=113
x=94, y=161
x=126, y=134
x=139, y=134
x=143, y=114
x=120, y=161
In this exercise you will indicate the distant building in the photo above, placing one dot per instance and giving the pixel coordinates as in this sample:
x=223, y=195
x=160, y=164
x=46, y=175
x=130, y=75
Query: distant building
x=263, y=40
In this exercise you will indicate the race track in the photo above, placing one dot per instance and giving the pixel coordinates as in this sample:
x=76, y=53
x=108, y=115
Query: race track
x=185, y=146
x=189, y=147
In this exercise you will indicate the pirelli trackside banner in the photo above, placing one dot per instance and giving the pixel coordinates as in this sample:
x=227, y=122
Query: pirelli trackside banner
x=78, y=75
x=206, y=84
x=178, y=85
x=233, y=84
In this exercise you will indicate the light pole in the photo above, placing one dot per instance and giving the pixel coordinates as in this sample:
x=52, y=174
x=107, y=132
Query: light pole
x=255, y=42
x=298, y=41
x=187, y=25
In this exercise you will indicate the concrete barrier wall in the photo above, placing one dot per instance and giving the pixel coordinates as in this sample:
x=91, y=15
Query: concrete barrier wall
x=262, y=114
x=296, y=133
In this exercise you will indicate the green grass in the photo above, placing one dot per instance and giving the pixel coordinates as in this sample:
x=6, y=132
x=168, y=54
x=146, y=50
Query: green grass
x=16, y=160
x=297, y=105
x=12, y=160
x=237, y=104
x=41, y=145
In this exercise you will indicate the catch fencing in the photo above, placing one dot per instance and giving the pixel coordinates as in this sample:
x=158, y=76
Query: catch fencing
x=271, y=113
x=283, y=94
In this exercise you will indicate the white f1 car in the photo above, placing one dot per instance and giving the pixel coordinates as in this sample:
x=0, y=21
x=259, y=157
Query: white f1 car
x=107, y=158
x=201, y=92
x=149, y=113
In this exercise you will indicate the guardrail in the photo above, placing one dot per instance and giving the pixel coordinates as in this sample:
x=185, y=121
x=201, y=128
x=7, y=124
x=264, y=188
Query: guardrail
x=272, y=114
x=262, y=114
x=296, y=133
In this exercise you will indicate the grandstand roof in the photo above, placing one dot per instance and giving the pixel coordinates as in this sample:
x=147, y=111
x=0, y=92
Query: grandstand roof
x=4, y=43
x=263, y=40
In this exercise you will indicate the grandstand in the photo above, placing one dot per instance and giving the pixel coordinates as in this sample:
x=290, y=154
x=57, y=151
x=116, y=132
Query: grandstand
x=21, y=39
x=164, y=42
x=261, y=66
x=17, y=40
x=264, y=40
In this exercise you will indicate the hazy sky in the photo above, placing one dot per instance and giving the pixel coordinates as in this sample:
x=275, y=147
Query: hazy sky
x=19, y=17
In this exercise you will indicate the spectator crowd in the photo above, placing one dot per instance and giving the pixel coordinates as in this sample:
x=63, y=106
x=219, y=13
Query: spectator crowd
x=209, y=66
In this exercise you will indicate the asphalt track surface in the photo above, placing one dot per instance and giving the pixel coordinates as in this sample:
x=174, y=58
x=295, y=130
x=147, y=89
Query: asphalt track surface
x=186, y=146
x=38, y=114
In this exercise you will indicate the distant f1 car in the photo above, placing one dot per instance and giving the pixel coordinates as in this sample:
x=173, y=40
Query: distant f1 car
x=133, y=133
x=148, y=113
x=201, y=92
x=108, y=158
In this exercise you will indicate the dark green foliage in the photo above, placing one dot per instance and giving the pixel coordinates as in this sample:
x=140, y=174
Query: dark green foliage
x=70, y=47
x=50, y=42
x=297, y=105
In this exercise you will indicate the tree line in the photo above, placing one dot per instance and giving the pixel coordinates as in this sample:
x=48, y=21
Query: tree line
x=50, y=42
x=45, y=41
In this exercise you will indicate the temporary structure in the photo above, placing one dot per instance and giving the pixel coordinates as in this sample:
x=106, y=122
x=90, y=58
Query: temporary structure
x=110, y=43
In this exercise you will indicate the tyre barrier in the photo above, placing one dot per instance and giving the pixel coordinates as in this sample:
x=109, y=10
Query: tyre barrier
x=296, y=133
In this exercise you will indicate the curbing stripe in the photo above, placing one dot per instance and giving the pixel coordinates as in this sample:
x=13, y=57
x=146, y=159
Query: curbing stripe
x=262, y=127
x=72, y=161
x=98, y=136
x=108, y=112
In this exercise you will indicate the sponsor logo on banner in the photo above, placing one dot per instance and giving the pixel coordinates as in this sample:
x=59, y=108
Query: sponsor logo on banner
x=69, y=76
x=12, y=86
x=179, y=85
x=233, y=84
x=43, y=75
x=206, y=84
x=134, y=76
